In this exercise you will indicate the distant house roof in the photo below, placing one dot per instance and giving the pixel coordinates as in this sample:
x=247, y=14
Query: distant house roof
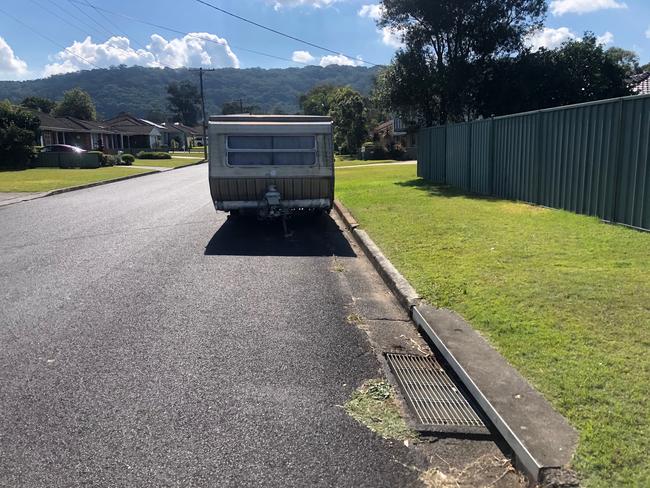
x=71, y=124
x=128, y=124
x=641, y=83
x=190, y=131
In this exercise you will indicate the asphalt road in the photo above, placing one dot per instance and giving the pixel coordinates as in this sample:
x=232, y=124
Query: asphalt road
x=147, y=341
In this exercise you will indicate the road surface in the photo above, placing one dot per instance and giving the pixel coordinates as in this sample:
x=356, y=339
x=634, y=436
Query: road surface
x=147, y=341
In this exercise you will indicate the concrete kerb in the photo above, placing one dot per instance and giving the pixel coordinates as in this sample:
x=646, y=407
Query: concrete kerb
x=99, y=183
x=532, y=452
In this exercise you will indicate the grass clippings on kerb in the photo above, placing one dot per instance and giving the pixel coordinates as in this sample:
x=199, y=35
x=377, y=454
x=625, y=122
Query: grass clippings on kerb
x=373, y=405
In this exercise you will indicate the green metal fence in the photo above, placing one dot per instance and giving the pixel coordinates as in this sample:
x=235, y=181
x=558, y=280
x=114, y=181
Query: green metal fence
x=592, y=158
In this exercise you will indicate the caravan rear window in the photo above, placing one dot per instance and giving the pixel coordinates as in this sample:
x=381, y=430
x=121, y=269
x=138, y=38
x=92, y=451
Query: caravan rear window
x=271, y=150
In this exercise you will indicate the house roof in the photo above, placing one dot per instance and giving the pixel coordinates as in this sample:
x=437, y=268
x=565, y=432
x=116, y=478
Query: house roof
x=641, y=83
x=192, y=131
x=128, y=124
x=71, y=124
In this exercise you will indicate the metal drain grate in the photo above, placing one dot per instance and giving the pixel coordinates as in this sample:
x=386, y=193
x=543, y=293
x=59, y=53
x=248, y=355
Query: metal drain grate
x=432, y=395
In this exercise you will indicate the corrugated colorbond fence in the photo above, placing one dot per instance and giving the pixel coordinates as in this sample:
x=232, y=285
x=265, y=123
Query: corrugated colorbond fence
x=591, y=158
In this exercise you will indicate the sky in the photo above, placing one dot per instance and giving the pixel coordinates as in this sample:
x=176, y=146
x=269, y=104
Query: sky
x=40, y=38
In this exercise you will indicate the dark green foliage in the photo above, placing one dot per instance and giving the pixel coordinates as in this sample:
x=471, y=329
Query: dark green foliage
x=39, y=103
x=153, y=155
x=17, y=136
x=139, y=90
x=578, y=71
x=448, y=43
x=348, y=112
x=184, y=99
x=127, y=159
x=628, y=60
x=317, y=100
x=76, y=103
x=238, y=107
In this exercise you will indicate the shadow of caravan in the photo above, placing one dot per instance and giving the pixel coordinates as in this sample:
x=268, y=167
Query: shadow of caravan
x=271, y=165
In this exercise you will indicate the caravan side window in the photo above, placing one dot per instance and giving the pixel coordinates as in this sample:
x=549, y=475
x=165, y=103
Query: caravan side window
x=271, y=150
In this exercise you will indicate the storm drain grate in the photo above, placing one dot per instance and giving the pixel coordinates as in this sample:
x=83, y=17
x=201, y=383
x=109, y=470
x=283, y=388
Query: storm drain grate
x=432, y=395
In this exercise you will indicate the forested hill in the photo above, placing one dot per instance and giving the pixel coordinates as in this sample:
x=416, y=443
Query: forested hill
x=141, y=90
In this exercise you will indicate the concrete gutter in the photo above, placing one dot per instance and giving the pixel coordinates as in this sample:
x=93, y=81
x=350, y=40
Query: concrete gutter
x=33, y=196
x=541, y=439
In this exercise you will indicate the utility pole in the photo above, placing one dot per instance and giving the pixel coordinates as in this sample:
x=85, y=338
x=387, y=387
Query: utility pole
x=205, y=122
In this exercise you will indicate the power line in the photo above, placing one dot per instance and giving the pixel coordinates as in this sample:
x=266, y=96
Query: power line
x=74, y=4
x=108, y=21
x=270, y=29
x=38, y=33
x=176, y=31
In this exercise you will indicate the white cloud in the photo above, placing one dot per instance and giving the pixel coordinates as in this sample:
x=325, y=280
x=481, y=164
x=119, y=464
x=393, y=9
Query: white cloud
x=193, y=50
x=372, y=11
x=561, y=7
x=549, y=38
x=606, y=39
x=11, y=66
x=302, y=57
x=279, y=4
x=340, y=60
x=390, y=37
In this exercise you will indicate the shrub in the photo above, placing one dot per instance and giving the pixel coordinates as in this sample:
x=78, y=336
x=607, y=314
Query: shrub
x=17, y=136
x=127, y=159
x=397, y=152
x=153, y=155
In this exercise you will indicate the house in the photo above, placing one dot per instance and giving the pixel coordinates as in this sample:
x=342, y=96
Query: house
x=140, y=134
x=395, y=132
x=76, y=132
x=183, y=134
x=198, y=138
x=640, y=83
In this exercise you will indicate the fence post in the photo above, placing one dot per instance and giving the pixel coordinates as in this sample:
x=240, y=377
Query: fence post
x=618, y=161
x=538, y=158
x=469, y=158
x=491, y=153
x=445, y=153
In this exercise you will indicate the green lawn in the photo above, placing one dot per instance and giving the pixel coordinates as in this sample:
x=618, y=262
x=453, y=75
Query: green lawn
x=174, y=162
x=46, y=179
x=564, y=297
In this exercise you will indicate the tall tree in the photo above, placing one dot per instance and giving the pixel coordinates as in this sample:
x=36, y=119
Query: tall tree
x=184, y=99
x=578, y=71
x=39, y=103
x=17, y=135
x=628, y=60
x=348, y=112
x=317, y=100
x=76, y=103
x=237, y=107
x=452, y=42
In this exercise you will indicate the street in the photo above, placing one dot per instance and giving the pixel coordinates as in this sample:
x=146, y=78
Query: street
x=147, y=341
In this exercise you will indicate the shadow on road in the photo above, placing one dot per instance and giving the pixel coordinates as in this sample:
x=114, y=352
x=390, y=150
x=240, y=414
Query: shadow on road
x=315, y=236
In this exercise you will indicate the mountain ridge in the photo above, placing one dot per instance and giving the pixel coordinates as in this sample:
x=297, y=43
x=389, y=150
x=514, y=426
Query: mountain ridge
x=140, y=90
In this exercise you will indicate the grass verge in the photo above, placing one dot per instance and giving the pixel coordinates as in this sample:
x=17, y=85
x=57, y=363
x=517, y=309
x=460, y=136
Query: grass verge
x=374, y=406
x=46, y=179
x=174, y=162
x=348, y=161
x=564, y=297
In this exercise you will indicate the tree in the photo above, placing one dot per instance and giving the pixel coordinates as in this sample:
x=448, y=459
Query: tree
x=17, y=135
x=348, y=112
x=39, y=103
x=628, y=60
x=237, y=107
x=317, y=100
x=578, y=71
x=452, y=42
x=156, y=115
x=184, y=99
x=76, y=103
